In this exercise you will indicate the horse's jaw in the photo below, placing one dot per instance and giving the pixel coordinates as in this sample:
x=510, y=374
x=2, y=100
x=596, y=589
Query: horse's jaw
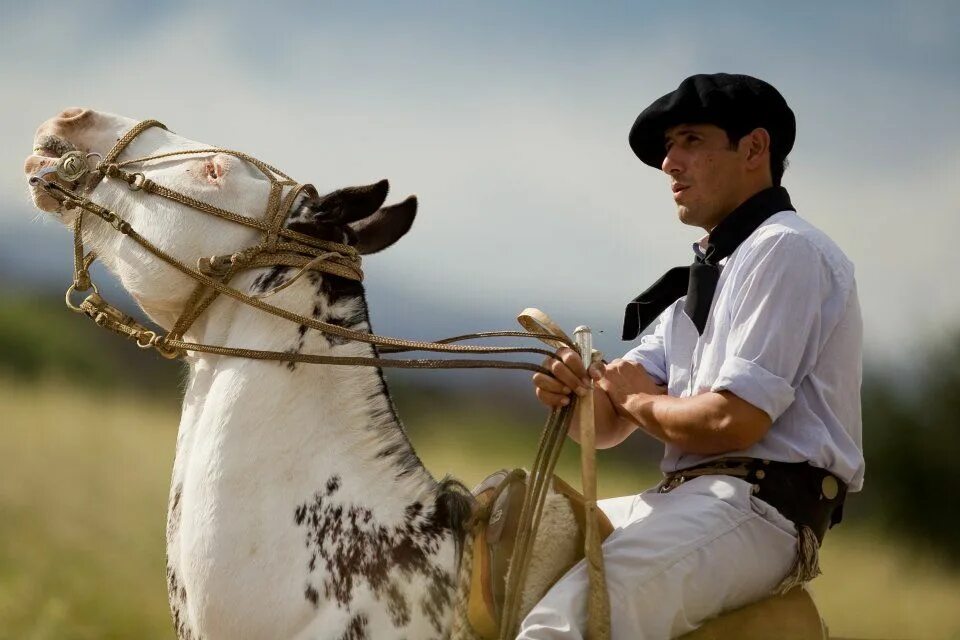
x=297, y=505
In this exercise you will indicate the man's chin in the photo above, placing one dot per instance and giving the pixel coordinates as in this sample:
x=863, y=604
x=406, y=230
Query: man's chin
x=686, y=216
x=692, y=218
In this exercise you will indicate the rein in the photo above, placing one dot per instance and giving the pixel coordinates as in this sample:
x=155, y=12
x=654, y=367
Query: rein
x=278, y=246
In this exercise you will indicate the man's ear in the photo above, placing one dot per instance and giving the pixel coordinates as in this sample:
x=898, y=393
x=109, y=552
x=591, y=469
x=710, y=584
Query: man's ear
x=343, y=206
x=386, y=226
x=758, y=147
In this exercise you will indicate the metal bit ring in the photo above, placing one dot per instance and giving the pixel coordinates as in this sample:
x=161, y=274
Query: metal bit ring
x=72, y=165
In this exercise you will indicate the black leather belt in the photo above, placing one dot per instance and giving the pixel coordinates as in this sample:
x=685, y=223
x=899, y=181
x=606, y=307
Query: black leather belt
x=804, y=494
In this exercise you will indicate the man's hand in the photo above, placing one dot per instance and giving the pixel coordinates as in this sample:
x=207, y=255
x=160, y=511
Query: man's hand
x=622, y=379
x=569, y=376
x=612, y=428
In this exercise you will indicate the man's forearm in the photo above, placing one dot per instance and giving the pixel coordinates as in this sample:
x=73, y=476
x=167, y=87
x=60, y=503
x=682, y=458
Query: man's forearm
x=708, y=423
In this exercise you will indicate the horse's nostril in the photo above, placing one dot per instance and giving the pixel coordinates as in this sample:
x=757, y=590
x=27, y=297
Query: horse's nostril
x=73, y=113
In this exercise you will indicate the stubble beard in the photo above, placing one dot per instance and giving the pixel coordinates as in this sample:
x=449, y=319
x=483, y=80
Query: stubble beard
x=688, y=216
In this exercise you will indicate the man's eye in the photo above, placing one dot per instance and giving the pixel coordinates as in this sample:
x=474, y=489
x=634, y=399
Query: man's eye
x=691, y=139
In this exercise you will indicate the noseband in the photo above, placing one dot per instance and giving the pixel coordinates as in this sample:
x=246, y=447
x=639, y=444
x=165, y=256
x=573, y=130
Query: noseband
x=278, y=246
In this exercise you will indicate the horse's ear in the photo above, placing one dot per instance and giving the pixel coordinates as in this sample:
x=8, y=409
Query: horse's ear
x=384, y=227
x=351, y=204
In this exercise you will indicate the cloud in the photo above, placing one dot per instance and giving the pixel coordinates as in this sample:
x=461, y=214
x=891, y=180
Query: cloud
x=510, y=125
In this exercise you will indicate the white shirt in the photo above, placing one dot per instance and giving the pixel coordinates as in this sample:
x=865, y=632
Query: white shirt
x=784, y=334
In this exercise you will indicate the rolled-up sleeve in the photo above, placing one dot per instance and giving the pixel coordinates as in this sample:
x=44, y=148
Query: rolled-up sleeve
x=776, y=309
x=651, y=352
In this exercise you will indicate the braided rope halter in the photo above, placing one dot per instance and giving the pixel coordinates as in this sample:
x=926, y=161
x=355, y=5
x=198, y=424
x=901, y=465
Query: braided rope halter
x=280, y=246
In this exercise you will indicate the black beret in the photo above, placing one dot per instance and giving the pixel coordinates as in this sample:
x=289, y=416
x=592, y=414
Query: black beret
x=731, y=101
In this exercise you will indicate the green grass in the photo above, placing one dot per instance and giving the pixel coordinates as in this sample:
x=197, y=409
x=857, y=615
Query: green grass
x=82, y=509
x=83, y=492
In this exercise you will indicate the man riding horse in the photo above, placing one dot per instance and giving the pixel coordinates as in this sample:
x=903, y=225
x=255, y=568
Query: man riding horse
x=750, y=378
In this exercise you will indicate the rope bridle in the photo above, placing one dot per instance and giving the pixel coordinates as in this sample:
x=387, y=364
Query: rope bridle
x=280, y=246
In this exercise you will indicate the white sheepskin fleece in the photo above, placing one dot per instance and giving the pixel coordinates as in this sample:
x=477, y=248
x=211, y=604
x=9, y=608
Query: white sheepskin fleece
x=555, y=550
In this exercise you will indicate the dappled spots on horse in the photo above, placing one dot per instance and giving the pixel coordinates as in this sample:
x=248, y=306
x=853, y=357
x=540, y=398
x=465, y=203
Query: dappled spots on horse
x=177, y=598
x=176, y=591
x=356, y=628
x=356, y=549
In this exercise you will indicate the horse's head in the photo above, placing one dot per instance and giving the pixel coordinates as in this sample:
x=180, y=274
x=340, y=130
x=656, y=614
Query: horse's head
x=219, y=179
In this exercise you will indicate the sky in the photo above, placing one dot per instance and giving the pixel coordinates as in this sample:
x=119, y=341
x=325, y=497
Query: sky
x=509, y=121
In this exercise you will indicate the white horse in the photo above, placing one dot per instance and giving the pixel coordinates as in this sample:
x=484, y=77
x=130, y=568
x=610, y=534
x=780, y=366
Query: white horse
x=298, y=508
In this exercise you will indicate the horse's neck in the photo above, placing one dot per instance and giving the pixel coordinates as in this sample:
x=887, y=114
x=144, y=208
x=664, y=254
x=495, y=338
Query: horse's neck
x=309, y=464
x=349, y=407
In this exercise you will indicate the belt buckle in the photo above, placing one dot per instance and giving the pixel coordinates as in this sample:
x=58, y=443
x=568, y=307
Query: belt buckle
x=829, y=487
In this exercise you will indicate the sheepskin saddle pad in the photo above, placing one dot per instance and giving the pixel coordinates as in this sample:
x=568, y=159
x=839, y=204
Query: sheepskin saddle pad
x=558, y=545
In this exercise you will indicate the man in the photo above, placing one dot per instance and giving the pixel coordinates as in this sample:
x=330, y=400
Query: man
x=750, y=378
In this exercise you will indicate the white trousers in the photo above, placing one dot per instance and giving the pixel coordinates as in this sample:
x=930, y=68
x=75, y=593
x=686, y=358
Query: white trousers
x=673, y=561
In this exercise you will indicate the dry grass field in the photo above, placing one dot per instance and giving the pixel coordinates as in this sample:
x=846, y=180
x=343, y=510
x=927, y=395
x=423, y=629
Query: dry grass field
x=83, y=490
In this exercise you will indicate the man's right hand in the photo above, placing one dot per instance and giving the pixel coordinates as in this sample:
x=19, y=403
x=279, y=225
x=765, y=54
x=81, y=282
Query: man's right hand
x=569, y=376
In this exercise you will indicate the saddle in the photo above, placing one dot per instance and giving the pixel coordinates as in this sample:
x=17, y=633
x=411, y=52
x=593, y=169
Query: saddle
x=558, y=545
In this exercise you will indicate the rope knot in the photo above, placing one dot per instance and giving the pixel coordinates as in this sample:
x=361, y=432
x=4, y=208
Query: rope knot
x=219, y=266
x=81, y=281
x=109, y=169
x=215, y=266
x=244, y=256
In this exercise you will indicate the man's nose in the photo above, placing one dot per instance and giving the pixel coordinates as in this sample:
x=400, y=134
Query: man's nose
x=671, y=163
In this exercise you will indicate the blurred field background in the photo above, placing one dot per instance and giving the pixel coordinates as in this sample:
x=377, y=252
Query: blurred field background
x=89, y=427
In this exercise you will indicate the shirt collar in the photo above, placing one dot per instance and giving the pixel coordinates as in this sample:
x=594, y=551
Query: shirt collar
x=751, y=213
x=742, y=222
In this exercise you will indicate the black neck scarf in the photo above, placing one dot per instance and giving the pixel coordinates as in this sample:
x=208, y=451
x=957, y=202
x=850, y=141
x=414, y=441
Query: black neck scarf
x=699, y=281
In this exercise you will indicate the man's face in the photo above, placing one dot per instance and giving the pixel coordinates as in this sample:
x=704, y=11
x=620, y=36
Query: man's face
x=706, y=174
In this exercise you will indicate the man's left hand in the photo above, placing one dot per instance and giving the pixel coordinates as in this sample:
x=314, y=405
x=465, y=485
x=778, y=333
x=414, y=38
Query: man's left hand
x=622, y=379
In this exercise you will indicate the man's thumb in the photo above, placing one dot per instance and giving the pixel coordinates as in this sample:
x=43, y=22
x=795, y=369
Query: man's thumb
x=596, y=370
